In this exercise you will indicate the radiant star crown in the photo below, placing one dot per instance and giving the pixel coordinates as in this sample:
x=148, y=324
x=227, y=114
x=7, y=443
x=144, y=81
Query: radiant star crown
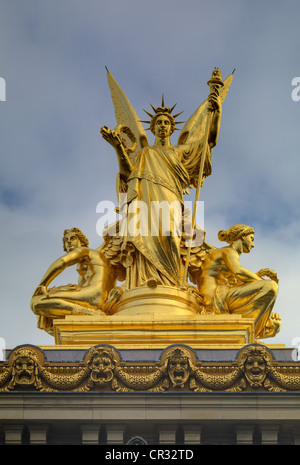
x=162, y=110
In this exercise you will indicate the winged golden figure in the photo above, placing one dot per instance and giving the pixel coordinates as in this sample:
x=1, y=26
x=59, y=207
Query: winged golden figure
x=154, y=178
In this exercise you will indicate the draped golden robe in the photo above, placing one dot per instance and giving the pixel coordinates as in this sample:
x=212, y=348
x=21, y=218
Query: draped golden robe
x=159, y=174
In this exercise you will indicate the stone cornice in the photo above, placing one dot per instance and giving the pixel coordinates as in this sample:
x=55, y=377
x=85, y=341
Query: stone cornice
x=177, y=371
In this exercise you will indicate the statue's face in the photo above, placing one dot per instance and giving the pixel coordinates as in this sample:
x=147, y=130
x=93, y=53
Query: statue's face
x=102, y=368
x=248, y=243
x=71, y=241
x=255, y=369
x=162, y=126
x=179, y=370
x=24, y=370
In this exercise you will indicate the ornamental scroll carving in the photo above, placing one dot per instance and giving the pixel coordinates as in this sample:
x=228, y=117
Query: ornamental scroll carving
x=102, y=369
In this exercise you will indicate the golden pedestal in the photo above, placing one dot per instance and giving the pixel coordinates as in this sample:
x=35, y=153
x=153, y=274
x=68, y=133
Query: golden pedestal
x=155, y=318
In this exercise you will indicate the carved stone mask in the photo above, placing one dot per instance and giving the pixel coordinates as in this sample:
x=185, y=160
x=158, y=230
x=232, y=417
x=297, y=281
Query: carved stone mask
x=179, y=370
x=24, y=370
x=255, y=370
x=255, y=364
x=102, y=367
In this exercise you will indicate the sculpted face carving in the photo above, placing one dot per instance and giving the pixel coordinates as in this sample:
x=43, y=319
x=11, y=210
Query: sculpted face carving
x=71, y=241
x=248, y=243
x=178, y=367
x=255, y=369
x=102, y=364
x=162, y=126
x=255, y=364
x=24, y=368
x=179, y=370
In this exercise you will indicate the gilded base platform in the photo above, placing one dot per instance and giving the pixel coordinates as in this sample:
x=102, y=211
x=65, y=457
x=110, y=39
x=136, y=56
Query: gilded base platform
x=124, y=333
x=155, y=318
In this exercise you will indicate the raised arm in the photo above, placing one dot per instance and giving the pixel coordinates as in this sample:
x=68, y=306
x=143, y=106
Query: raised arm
x=215, y=106
x=125, y=165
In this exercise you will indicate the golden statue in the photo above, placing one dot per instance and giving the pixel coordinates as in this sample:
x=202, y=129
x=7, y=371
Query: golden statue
x=96, y=277
x=146, y=258
x=227, y=287
x=160, y=173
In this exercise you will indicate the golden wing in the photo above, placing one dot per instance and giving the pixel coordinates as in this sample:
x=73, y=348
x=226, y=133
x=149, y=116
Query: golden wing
x=125, y=114
x=194, y=128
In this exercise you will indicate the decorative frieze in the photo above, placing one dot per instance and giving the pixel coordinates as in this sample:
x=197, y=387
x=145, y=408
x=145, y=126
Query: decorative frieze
x=102, y=369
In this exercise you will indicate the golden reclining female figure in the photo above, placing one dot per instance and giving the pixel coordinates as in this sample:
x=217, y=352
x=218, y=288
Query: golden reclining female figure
x=227, y=287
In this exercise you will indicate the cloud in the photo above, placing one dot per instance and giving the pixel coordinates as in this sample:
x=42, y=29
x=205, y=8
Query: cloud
x=55, y=167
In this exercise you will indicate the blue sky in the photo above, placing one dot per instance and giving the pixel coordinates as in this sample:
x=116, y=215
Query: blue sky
x=55, y=167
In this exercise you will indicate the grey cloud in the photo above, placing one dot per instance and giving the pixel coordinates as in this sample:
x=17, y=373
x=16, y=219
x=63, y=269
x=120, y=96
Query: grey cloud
x=55, y=168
